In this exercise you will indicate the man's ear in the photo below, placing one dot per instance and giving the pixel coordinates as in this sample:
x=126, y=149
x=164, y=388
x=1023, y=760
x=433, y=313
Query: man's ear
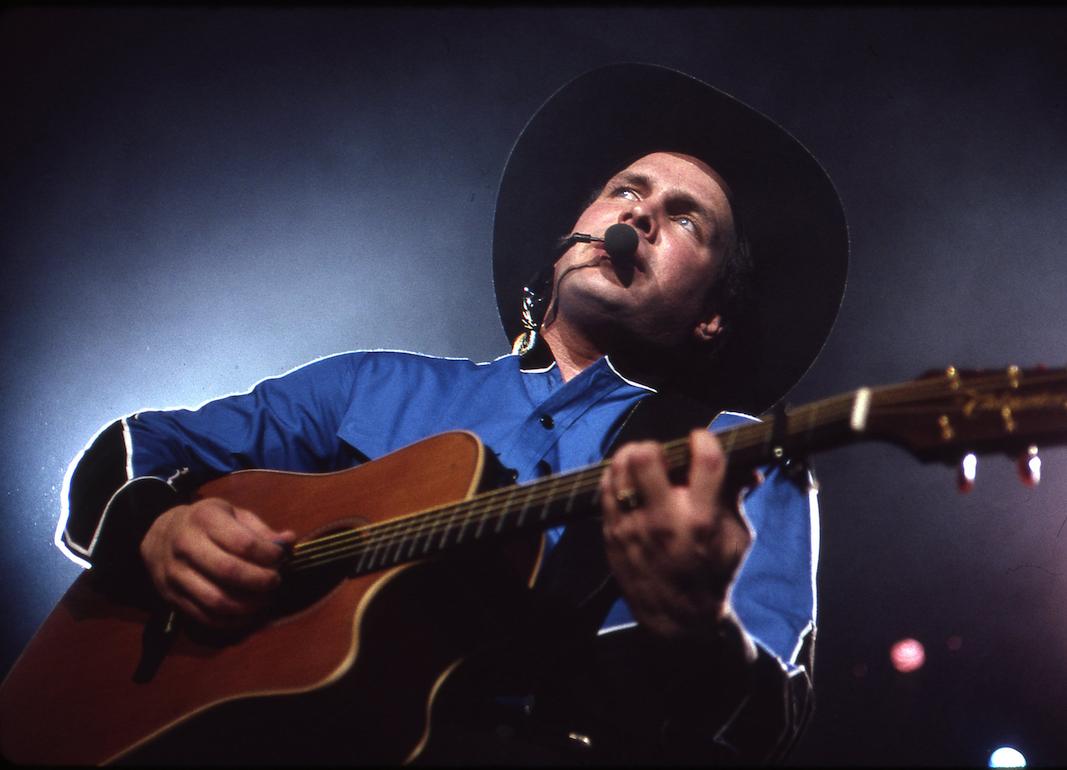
x=706, y=331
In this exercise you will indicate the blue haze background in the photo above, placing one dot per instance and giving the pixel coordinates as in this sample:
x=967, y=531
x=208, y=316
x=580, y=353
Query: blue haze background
x=195, y=199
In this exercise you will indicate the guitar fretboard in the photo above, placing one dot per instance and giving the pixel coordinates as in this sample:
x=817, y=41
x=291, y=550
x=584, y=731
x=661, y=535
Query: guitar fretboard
x=937, y=417
x=554, y=500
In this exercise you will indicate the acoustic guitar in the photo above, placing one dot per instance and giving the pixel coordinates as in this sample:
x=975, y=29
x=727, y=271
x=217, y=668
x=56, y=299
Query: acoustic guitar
x=405, y=568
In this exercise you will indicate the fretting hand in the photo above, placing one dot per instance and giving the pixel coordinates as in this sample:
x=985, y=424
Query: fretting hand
x=674, y=549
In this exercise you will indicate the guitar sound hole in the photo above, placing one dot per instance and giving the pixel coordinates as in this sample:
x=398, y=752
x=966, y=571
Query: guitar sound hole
x=301, y=588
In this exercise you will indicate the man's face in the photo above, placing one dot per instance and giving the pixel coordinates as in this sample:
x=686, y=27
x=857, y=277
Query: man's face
x=678, y=206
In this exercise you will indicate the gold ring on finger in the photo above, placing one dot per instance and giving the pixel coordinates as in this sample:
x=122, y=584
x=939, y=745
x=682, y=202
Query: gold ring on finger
x=628, y=499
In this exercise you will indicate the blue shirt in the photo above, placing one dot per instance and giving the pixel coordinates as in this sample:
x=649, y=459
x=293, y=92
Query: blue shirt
x=331, y=413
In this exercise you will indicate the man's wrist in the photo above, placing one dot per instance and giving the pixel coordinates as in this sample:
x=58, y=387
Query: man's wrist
x=117, y=559
x=721, y=636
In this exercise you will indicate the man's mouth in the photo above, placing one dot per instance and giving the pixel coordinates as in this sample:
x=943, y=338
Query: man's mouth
x=630, y=265
x=623, y=268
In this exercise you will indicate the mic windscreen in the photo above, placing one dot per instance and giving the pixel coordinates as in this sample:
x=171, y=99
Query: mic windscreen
x=620, y=241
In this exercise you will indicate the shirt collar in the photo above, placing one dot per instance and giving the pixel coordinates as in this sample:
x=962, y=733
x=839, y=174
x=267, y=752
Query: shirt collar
x=539, y=359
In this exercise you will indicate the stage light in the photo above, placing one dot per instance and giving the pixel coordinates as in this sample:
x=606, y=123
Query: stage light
x=907, y=655
x=1007, y=756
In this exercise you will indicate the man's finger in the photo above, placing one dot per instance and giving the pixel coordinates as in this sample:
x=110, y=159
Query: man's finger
x=242, y=541
x=646, y=465
x=229, y=570
x=215, y=605
x=707, y=467
x=609, y=503
x=261, y=528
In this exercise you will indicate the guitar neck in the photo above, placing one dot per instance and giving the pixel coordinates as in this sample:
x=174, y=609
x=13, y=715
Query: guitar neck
x=557, y=499
x=941, y=416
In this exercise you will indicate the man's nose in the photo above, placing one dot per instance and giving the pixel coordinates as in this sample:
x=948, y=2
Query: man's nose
x=639, y=216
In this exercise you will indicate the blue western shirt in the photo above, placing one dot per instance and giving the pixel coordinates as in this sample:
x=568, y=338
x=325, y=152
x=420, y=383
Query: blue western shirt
x=333, y=412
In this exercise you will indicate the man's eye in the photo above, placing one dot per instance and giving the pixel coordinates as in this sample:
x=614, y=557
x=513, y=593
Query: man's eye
x=686, y=222
x=625, y=192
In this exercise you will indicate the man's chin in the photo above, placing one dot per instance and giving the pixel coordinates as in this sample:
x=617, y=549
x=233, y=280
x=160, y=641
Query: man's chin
x=623, y=272
x=610, y=274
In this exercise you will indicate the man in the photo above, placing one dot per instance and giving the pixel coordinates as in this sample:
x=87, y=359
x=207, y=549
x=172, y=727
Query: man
x=710, y=666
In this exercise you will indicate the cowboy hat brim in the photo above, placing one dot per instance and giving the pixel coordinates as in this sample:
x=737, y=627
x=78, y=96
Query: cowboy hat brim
x=603, y=120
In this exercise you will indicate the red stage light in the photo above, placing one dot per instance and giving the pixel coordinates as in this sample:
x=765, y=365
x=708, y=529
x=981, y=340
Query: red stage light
x=907, y=655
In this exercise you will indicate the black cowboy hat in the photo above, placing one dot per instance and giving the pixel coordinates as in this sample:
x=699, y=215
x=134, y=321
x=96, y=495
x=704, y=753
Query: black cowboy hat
x=603, y=120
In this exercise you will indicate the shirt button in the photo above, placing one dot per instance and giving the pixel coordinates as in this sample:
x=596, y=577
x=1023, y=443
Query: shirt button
x=547, y=422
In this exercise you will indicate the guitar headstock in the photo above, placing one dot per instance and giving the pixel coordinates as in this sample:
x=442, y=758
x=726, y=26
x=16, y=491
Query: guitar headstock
x=952, y=415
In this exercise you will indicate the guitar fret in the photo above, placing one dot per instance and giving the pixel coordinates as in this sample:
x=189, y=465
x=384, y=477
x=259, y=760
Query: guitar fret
x=569, y=507
x=485, y=516
x=425, y=534
x=463, y=527
x=399, y=547
x=432, y=528
x=446, y=528
x=525, y=506
x=552, y=485
x=383, y=552
x=362, y=559
x=410, y=541
x=508, y=510
x=376, y=545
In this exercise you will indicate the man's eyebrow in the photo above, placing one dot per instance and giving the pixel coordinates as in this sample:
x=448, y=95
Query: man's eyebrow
x=632, y=177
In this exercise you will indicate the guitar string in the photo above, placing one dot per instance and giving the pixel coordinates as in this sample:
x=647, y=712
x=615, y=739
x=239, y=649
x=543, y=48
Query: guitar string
x=445, y=523
x=881, y=398
x=536, y=492
x=448, y=519
x=491, y=500
x=389, y=548
x=448, y=516
x=436, y=521
x=433, y=526
x=383, y=536
x=372, y=535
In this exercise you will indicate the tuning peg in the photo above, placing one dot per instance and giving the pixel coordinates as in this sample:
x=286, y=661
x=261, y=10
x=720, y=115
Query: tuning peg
x=1029, y=465
x=966, y=473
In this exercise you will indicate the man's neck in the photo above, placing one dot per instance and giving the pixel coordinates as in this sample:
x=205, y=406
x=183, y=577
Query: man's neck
x=574, y=353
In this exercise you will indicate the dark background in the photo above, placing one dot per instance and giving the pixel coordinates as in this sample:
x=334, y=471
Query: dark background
x=196, y=199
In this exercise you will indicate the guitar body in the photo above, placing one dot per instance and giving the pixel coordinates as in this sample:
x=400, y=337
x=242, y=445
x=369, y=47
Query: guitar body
x=356, y=666
x=349, y=674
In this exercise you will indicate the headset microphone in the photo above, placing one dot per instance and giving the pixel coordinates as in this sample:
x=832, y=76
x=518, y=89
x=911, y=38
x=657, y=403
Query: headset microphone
x=620, y=242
